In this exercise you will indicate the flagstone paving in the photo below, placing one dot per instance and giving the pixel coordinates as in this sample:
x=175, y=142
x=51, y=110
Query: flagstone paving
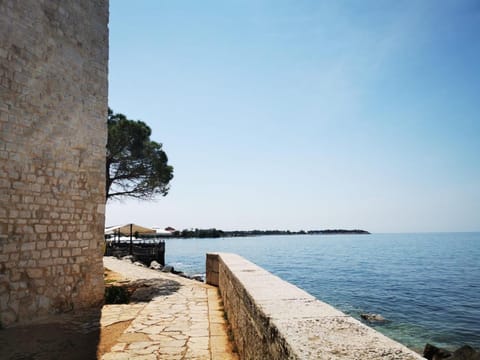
x=183, y=322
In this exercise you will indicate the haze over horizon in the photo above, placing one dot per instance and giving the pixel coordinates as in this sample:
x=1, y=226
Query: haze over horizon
x=304, y=115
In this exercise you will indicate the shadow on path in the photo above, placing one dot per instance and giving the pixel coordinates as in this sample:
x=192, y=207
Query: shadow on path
x=139, y=291
x=146, y=290
x=71, y=336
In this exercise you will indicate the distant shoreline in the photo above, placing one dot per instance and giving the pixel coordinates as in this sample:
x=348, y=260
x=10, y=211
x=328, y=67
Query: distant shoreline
x=339, y=232
x=214, y=233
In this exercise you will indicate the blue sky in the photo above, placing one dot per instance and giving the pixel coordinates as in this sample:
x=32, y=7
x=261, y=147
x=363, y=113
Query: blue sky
x=304, y=114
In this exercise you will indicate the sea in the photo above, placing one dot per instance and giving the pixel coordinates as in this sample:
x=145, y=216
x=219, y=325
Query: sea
x=426, y=285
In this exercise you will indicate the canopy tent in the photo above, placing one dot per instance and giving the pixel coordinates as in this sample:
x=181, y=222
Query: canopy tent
x=128, y=229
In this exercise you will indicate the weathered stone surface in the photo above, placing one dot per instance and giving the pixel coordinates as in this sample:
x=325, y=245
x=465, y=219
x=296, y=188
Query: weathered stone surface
x=272, y=319
x=53, y=104
x=175, y=324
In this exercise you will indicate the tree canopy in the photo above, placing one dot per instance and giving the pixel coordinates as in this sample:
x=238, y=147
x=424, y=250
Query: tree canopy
x=135, y=166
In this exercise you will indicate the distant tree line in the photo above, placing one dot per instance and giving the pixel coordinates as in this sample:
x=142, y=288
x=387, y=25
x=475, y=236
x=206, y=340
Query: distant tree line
x=199, y=233
x=337, y=231
x=215, y=233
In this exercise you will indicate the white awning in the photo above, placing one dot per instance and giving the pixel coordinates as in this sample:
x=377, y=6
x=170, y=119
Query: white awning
x=125, y=229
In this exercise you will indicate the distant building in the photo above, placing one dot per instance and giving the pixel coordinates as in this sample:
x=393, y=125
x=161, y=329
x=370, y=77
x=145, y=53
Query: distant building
x=168, y=231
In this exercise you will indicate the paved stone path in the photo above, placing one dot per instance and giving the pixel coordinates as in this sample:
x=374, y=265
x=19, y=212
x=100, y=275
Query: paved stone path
x=185, y=321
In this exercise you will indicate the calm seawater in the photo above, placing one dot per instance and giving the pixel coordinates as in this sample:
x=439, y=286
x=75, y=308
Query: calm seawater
x=427, y=285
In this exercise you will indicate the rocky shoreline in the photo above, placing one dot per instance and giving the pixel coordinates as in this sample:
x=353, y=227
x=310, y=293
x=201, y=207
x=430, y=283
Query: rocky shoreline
x=154, y=265
x=465, y=352
x=430, y=351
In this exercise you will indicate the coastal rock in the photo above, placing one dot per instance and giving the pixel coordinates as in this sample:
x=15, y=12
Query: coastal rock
x=155, y=265
x=198, y=277
x=432, y=352
x=373, y=318
x=168, y=268
x=466, y=352
x=138, y=263
x=129, y=258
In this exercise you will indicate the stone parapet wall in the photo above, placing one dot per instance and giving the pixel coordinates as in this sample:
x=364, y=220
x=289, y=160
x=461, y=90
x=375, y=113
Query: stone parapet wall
x=273, y=319
x=53, y=110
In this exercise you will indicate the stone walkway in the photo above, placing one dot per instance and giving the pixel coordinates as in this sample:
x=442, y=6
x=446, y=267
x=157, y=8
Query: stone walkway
x=185, y=321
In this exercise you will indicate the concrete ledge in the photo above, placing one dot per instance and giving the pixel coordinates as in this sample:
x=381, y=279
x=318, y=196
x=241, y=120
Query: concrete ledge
x=273, y=319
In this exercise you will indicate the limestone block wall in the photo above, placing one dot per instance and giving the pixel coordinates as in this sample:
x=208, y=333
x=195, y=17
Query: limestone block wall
x=273, y=319
x=53, y=108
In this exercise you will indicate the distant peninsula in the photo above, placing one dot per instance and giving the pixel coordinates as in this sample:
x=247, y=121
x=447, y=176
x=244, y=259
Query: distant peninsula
x=215, y=233
x=338, y=232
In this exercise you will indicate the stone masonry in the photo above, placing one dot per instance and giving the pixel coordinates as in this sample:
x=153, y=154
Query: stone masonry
x=53, y=107
x=273, y=319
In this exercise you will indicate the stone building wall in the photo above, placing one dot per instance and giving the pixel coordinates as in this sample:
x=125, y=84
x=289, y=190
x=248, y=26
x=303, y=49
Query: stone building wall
x=53, y=107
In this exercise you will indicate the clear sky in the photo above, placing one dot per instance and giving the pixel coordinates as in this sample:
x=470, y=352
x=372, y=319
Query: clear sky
x=304, y=114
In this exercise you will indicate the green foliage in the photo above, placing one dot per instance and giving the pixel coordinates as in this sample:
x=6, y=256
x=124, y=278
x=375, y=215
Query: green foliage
x=200, y=233
x=116, y=295
x=136, y=166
